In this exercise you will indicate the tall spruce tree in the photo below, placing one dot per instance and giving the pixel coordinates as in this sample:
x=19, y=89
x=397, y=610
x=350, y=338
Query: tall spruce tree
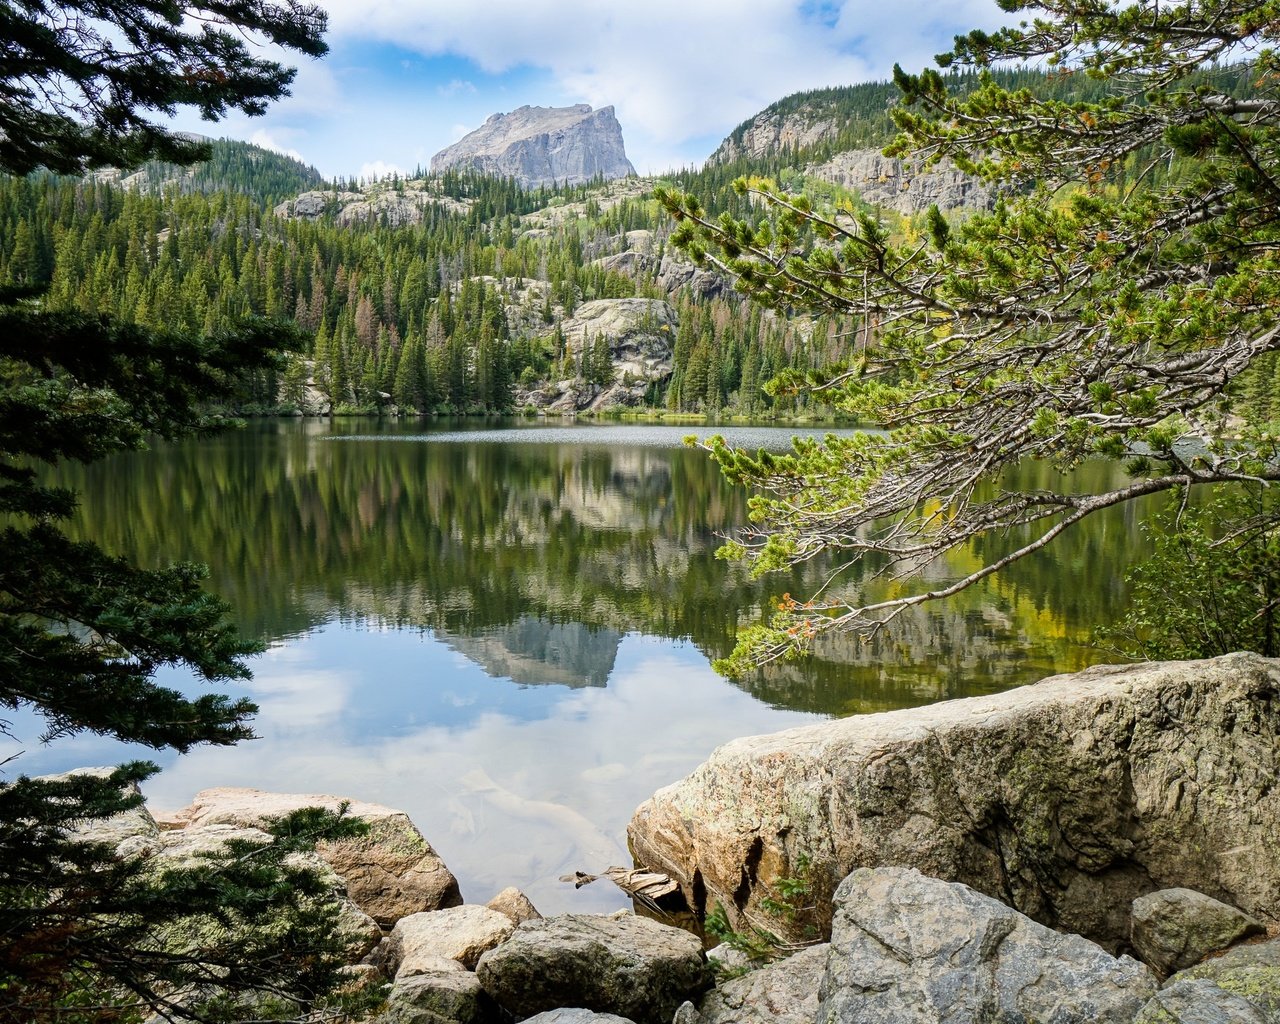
x=84, y=935
x=1104, y=308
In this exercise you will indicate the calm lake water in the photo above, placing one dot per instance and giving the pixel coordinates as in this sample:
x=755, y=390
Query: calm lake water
x=507, y=632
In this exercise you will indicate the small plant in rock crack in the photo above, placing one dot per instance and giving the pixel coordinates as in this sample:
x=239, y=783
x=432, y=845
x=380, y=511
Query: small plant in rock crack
x=787, y=902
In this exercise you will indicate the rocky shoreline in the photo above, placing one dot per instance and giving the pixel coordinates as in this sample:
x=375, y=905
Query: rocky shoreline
x=949, y=856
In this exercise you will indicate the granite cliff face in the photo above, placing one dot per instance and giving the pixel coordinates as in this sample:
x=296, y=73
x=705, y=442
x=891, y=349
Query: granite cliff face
x=902, y=185
x=833, y=139
x=771, y=130
x=543, y=145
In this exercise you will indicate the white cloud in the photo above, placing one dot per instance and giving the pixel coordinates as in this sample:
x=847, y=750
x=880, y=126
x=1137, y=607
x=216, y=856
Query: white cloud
x=266, y=140
x=673, y=70
x=377, y=169
x=455, y=86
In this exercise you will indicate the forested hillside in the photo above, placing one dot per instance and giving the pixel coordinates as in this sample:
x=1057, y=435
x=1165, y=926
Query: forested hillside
x=453, y=312
x=232, y=167
x=451, y=293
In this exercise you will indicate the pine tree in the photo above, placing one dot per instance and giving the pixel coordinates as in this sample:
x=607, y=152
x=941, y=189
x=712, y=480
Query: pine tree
x=1101, y=310
x=87, y=936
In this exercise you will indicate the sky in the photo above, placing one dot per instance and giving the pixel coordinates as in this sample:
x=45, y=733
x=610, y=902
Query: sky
x=405, y=78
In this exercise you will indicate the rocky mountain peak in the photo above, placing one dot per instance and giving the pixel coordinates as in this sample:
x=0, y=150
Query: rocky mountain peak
x=542, y=146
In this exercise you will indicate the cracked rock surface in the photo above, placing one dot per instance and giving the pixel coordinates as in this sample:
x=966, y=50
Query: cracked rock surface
x=1066, y=799
x=906, y=949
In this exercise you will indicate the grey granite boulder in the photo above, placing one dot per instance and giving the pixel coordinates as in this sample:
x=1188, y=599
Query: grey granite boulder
x=906, y=949
x=1175, y=928
x=1065, y=799
x=132, y=833
x=785, y=992
x=390, y=872
x=1198, y=1002
x=456, y=933
x=620, y=964
x=1250, y=971
x=443, y=994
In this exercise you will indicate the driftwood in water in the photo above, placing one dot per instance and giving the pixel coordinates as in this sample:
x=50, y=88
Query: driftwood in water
x=646, y=886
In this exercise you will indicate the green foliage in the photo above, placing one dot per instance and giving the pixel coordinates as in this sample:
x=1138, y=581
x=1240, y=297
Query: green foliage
x=375, y=295
x=252, y=921
x=1212, y=585
x=1106, y=307
x=788, y=902
x=80, y=79
x=86, y=936
x=237, y=167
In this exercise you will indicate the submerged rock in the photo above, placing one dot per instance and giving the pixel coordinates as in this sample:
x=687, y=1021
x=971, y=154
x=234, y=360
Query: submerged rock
x=1175, y=928
x=622, y=964
x=1066, y=799
x=906, y=949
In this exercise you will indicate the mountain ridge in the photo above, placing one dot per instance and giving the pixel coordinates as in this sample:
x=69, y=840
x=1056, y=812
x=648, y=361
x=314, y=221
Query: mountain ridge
x=540, y=146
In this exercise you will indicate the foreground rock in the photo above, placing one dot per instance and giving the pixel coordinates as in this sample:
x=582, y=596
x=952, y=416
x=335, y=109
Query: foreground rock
x=543, y=146
x=906, y=949
x=626, y=965
x=1175, y=928
x=1199, y=1002
x=1248, y=972
x=445, y=993
x=389, y=873
x=785, y=992
x=515, y=905
x=1066, y=799
x=462, y=934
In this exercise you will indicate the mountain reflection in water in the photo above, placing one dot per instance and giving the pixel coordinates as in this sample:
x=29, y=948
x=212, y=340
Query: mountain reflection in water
x=507, y=632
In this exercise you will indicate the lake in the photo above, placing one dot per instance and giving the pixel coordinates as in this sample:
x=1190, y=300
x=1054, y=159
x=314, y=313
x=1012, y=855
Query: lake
x=506, y=630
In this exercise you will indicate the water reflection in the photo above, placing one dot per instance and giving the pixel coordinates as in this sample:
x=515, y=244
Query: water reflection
x=511, y=640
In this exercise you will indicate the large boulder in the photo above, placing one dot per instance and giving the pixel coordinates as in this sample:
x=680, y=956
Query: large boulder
x=785, y=992
x=1066, y=799
x=390, y=873
x=189, y=847
x=1250, y=972
x=1199, y=1002
x=441, y=995
x=621, y=964
x=906, y=949
x=132, y=833
x=1175, y=928
x=457, y=933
